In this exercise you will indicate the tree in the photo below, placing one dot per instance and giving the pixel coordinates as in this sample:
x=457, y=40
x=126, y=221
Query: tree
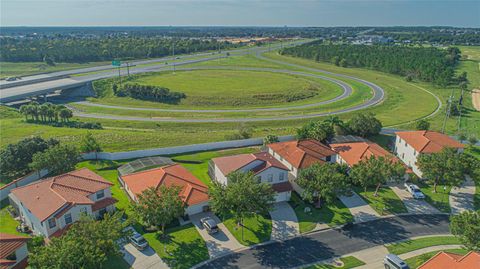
x=242, y=197
x=318, y=130
x=472, y=140
x=423, y=125
x=466, y=227
x=15, y=158
x=90, y=144
x=159, y=207
x=446, y=167
x=269, y=139
x=65, y=114
x=323, y=182
x=376, y=171
x=334, y=121
x=57, y=160
x=86, y=244
x=364, y=124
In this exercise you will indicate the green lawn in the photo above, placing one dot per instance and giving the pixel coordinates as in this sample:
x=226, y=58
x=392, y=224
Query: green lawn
x=256, y=229
x=332, y=214
x=197, y=163
x=10, y=69
x=8, y=225
x=348, y=262
x=411, y=245
x=475, y=151
x=386, y=202
x=439, y=199
x=183, y=245
x=415, y=262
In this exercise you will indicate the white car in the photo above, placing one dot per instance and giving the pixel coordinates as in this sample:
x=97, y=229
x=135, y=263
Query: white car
x=414, y=190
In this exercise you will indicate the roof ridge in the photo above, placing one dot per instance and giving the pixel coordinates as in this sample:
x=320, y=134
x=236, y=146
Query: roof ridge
x=187, y=180
x=87, y=178
x=151, y=169
x=70, y=187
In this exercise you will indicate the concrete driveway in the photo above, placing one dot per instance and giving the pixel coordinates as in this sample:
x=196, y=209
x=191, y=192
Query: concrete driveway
x=142, y=259
x=461, y=198
x=219, y=243
x=415, y=206
x=360, y=210
x=284, y=222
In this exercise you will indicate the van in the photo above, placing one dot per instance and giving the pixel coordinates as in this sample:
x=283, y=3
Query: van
x=392, y=261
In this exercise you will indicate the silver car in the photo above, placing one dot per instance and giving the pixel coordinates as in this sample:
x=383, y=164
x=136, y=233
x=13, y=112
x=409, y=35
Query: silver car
x=415, y=191
x=210, y=225
x=138, y=241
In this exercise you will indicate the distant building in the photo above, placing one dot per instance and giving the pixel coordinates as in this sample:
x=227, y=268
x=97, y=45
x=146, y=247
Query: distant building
x=446, y=260
x=49, y=206
x=13, y=251
x=410, y=144
x=193, y=191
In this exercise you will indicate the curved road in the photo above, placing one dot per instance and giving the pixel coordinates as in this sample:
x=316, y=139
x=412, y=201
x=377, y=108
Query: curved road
x=330, y=243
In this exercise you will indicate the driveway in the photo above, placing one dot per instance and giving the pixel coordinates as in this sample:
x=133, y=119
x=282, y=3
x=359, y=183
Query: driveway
x=284, y=222
x=414, y=206
x=142, y=259
x=219, y=243
x=360, y=210
x=461, y=198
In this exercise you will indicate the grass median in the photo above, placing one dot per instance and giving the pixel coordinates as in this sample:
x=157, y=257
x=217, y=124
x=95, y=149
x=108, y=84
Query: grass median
x=415, y=244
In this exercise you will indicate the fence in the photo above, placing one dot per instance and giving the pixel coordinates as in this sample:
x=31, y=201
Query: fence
x=32, y=177
x=113, y=156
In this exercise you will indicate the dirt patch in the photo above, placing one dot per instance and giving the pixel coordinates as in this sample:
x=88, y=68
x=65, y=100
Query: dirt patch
x=476, y=99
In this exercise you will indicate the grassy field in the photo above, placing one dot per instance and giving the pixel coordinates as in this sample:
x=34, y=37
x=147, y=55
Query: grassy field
x=386, y=202
x=256, y=229
x=415, y=262
x=411, y=245
x=9, y=69
x=332, y=214
x=470, y=52
x=348, y=262
x=183, y=246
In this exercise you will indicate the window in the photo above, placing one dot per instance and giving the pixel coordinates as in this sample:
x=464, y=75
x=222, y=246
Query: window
x=405, y=143
x=281, y=177
x=68, y=218
x=52, y=223
x=270, y=178
x=403, y=155
x=83, y=210
x=329, y=158
x=100, y=194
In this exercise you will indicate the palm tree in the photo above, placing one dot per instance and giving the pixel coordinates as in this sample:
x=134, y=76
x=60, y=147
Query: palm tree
x=65, y=114
x=334, y=121
x=43, y=110
x=25, y=110
x=34, y=110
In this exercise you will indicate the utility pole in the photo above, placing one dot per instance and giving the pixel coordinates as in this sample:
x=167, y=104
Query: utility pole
x=128, y=69
x=173, y=43
x=447, y=112
x=119, y=76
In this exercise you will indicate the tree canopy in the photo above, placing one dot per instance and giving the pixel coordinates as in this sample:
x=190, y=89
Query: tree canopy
x=90, y=144
x=466, y=226
x=364, y=125
x=57, y=160
x=318, y=130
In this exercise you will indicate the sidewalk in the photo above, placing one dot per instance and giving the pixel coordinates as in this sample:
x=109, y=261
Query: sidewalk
x=461, y=198
x=414, y=206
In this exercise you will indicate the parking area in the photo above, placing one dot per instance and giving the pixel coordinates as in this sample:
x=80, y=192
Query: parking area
x=284, y=222
x=360, y=210
x=144, y=259
x=218, y=243
x=414, y=206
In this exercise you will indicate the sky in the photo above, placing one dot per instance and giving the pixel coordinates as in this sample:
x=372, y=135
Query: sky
x=461, y=13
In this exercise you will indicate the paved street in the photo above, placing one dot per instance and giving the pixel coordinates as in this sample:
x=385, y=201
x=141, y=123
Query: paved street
x=284, y=222
x=142, y=259
x=414, y=206
x=360, y=210
x=335, y=242
x=218, y=243
x=461, y=198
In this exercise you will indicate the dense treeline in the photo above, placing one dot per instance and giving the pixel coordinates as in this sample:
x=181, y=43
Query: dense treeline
x=77, y=50
x=147, y=92
x=422, y=63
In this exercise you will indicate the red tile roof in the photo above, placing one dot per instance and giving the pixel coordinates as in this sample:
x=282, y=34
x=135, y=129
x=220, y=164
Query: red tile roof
x=8, y=245
x=193, y=191
x=302, y=154
x=354, y=152
x=429, y=141
x=103, y=203
x=233, y=163
x=48, y=196
x=445, y=260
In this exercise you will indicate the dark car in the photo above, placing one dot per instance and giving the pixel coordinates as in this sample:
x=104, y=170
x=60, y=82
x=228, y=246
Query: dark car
x=209, y=224
x=138, y=241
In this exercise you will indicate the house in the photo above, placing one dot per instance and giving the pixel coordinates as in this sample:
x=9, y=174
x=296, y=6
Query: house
x=194, y=192
x=410, y=144
x=13, y=251
x=445, y=260
x=296, y=155
x=263, y=165
x=49, y=206
x=351, y=153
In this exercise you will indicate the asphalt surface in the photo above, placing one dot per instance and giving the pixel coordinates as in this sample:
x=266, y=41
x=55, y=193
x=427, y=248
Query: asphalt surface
x=330, y=243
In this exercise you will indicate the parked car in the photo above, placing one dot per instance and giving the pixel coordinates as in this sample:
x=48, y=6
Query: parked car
x=415, y=191
x=11, y=79
x=138, y=241
x=392, y=261
x=209, y=224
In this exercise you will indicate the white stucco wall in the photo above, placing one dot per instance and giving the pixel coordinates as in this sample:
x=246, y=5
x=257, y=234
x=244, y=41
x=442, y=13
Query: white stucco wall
x=275, y=173
x=32, y=221
x=195, y=209
x=407, y=154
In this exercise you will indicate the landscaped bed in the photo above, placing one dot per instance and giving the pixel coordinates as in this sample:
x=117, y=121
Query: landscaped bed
x=414, y=244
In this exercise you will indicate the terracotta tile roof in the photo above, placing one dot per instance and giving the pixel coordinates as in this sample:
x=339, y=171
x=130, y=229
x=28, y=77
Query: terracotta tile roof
x=354, y=152
x=8, y=245
x=103, y=203
x=429, y=141
x=302, y=154
x=193, y=190
x=445, y=260
x=282, y=187
x=46, y=197
x=229, y=164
